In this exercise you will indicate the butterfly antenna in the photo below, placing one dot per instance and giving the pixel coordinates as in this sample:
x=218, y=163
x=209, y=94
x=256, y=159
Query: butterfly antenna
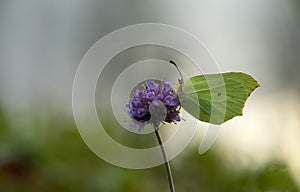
x=181, y=78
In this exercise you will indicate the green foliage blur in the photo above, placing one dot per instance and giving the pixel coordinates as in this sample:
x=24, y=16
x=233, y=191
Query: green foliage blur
x=44, y=152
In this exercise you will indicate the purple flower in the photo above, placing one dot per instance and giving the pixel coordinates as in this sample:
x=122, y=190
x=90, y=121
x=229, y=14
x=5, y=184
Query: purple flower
x=155, y=103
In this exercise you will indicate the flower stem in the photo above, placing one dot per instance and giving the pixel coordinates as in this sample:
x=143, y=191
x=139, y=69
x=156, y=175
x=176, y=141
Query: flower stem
x=167, y=165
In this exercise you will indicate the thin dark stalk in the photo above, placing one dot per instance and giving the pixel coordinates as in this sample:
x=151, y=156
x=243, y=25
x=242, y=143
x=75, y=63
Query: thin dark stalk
x=181, y=77
x=167, y=165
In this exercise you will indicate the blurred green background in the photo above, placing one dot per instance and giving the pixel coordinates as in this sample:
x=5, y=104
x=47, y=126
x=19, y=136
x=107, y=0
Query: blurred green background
x=42, y=43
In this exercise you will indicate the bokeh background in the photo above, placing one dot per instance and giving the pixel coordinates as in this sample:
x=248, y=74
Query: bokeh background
x=41, y=46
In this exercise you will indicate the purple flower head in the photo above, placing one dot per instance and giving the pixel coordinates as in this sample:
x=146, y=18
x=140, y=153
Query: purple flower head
x=155, y=103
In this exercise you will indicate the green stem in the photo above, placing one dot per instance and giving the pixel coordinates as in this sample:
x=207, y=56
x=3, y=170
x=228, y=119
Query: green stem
x=167, y=165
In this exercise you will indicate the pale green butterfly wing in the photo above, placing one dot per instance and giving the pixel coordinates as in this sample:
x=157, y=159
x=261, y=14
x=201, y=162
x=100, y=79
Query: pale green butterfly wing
x=216, y=98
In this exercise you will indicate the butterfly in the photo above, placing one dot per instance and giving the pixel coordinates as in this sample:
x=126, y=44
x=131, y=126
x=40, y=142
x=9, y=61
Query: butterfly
x=215, y=98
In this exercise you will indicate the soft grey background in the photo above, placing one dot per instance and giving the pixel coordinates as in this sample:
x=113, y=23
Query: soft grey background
x=42, y=42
